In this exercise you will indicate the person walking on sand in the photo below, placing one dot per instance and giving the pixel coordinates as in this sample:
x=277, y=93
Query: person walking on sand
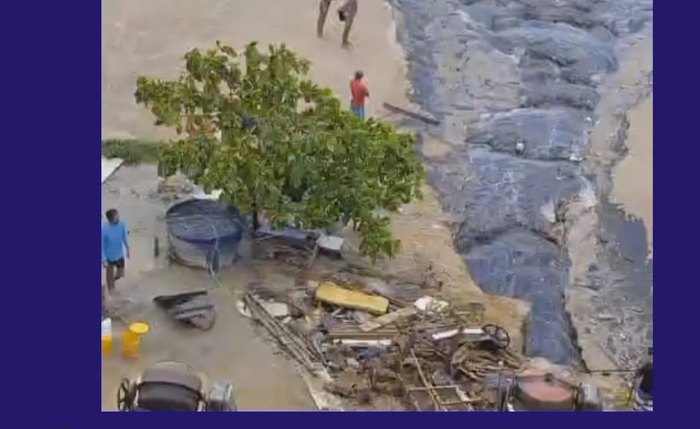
x=114, y=242
x=346, y=13
x=323, y=7
x=359, y=93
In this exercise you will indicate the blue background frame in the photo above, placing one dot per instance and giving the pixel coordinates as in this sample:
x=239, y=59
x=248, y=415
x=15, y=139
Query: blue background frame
x=51, y=77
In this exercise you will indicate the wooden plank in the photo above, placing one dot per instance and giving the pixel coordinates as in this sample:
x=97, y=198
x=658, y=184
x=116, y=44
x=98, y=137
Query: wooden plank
x=397, y=109
x=393, y=317
x=294, y=345
x=429, y=387
x=333, y=294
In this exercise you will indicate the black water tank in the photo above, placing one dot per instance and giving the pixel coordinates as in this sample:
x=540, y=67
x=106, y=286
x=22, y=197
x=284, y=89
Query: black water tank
x=204, y=233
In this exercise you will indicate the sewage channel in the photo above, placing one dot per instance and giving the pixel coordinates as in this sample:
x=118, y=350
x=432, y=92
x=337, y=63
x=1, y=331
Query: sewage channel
x=516, y=85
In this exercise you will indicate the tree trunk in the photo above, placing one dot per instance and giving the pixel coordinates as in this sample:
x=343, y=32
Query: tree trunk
x=256, y=249
x=256, y=221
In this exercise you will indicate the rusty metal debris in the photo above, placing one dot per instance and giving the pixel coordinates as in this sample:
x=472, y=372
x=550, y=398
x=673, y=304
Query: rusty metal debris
x=425, y=356
x=443, y=398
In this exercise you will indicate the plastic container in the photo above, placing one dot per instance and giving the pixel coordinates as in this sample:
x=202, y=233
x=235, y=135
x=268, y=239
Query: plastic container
x=107, y=337
x=131, y=339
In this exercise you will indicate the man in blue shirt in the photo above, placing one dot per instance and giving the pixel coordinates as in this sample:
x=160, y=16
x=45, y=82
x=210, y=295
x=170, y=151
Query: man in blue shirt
x=114, y=242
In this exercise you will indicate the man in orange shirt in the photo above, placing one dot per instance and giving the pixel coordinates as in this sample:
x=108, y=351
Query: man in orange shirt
x=359, y=93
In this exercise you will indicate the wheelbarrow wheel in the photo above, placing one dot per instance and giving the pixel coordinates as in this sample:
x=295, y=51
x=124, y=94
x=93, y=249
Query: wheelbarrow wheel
x=126, y=395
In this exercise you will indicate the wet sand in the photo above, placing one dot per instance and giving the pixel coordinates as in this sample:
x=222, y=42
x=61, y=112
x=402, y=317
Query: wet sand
x=233, y=351
x=634, y=176
x=626, y=121
x=150, y=38
x=610, y=300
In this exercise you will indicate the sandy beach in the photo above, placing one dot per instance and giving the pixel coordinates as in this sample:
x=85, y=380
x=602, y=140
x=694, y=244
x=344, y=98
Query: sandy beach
x=150, y=38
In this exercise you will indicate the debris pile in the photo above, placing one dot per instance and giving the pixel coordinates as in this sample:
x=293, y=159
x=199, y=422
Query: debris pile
x=373, y=343
x=175, y=187
x=294, y=246
x=193, y=308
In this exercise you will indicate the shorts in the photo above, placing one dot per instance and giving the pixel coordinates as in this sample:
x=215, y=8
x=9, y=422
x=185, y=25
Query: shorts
x=119, y=263
x=358, y=110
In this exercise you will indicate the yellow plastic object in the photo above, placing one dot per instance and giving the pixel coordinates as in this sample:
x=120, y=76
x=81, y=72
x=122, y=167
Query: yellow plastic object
x=131, y=339
x=336, y=295
x=106, y=345
x=139, y=328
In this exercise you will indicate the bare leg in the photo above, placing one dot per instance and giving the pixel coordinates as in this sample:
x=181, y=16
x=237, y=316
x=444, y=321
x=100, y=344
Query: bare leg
x=104, y=304
x=120, y=273
x=323, y=8
x=109, y=272
x=346, y=31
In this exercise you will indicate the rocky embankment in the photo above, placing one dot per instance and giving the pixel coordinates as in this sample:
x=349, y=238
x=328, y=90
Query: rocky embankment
x=517, y=86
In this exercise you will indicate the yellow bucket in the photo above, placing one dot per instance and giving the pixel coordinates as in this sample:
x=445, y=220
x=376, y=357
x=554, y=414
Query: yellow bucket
x=106, y=345
x=131, y=339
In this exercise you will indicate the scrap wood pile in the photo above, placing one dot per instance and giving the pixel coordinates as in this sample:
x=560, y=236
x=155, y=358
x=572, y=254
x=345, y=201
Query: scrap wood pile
x=377, y=341
x=294, y=246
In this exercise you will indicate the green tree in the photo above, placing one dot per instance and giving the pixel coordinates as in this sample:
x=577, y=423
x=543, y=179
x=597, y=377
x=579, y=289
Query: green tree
x=254, y=126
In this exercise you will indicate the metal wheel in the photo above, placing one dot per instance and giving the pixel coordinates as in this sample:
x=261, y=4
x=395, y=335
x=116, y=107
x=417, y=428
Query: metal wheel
x=497, y=335
x=126, y=395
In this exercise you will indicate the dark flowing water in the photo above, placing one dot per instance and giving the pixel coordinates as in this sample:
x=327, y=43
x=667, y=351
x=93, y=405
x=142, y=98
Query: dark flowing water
x=516, y=84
